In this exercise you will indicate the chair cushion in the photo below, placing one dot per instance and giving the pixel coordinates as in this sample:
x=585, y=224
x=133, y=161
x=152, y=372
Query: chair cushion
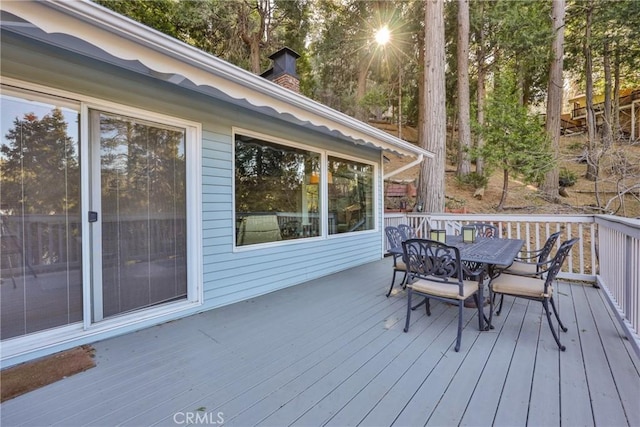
x=522, y=269
x=445, y=290
x=531, y=287
x=400, y=265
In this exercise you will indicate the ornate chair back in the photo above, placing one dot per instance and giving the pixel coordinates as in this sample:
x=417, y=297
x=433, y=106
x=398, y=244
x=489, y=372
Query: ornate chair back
x=548, y=246
x=558, y=261
x=434, y=261
x=393, y=237
x=407, y=232
x=485, y=230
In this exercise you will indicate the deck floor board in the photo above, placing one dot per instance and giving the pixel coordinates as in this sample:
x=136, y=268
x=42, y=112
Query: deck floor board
x=333, y=352
x=606, y=406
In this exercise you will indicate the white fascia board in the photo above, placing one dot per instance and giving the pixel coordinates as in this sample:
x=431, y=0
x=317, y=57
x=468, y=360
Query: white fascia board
x=129, y=40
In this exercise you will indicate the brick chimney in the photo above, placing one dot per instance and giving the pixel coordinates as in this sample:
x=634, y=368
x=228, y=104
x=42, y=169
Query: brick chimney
x=283, y=71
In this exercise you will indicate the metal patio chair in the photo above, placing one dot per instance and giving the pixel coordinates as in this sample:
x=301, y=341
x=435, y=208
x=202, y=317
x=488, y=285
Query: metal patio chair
x=485, y=230
x=395, y=248
x=531, y=263
x=407, y=232
x=534, y=288
x=435, y=271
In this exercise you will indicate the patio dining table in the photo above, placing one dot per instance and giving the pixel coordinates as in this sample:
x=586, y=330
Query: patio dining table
x=490, y=252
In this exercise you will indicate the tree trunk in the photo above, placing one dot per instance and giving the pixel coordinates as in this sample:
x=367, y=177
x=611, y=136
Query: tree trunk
x=505, y=189
x=464, y=115
x=434, y=127
x=255, y=56
x=606, y=125
x=421, y=136
x=592, y=171
x=554, y=99
x=420, y=200
x=363, y=70
x=480, y=91
x=615, y=126
x=251, y=38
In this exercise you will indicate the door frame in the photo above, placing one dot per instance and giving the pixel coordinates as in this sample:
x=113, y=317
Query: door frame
x=91, y=201
x=26, y=347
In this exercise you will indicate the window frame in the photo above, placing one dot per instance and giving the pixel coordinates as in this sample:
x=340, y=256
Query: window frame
x=375, y=201
x=287, y=143
x=323, y=188
x=193, y=158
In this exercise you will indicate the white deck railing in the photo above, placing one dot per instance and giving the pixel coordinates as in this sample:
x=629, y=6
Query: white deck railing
x=608, y=252
x=619, y=249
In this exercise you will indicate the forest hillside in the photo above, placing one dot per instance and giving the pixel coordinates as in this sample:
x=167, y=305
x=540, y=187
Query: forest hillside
x=619, y=169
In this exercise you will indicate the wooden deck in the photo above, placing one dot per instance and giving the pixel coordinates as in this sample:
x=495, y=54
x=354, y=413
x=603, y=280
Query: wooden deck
x=332, y=352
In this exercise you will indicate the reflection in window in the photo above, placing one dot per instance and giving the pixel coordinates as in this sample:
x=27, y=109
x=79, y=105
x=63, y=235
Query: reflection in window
x=350, y=196
x=277, y=194
x=143, y=182
x=40, y=232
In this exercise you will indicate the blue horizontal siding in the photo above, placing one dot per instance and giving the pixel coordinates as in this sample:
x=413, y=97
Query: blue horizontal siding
x=215, y=184
x=233, y=276
x=228, y=276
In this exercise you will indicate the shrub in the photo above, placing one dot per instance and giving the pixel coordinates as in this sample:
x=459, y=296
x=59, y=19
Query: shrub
x=473, y=179
x=567, y=178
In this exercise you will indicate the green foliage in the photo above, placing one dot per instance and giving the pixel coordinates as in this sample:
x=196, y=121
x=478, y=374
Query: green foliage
x=517, y=33
x=344, y=50
x=40, y=170
x=375, y=101
x=221, y=27
x=157, y=14
x=473, y=179
x=567, y=178
x=614, y=22
x=514, y=140
x=335, y=41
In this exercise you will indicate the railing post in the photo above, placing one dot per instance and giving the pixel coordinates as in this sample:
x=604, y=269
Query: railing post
x=628, y=298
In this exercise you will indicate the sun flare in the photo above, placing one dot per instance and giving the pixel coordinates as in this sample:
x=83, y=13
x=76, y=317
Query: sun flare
x=383, y=35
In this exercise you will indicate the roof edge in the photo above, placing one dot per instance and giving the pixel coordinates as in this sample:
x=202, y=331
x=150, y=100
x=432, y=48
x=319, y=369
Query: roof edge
x=98, y=16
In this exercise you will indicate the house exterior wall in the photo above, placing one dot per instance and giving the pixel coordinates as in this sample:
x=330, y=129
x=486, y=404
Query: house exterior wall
x=228, y=275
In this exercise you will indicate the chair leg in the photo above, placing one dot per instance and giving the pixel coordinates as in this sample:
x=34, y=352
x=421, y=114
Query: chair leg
x=545, y=304
x=459, y=337
x=423, y=302
x=500, y=305
x=393, y=280
x=555, y=312
x=406, y=326
x=404, y=281
x=427, y=306
x=492, y=298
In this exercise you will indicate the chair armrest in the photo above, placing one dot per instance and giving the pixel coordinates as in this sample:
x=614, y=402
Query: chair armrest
x=526, y=257
x=541, y=267
x=473, y=269
x=539, y=264
x=533, y=251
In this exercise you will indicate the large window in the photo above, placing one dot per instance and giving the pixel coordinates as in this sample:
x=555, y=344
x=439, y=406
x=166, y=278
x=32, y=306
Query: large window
x=285, y=192
x=277, y=191
x=351, y=195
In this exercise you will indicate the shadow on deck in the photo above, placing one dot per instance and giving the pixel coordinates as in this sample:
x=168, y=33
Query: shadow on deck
x=332, y=352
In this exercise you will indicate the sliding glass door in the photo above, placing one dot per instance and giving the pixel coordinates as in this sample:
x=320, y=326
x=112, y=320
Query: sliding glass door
x=140, y=206
x=93, y=213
